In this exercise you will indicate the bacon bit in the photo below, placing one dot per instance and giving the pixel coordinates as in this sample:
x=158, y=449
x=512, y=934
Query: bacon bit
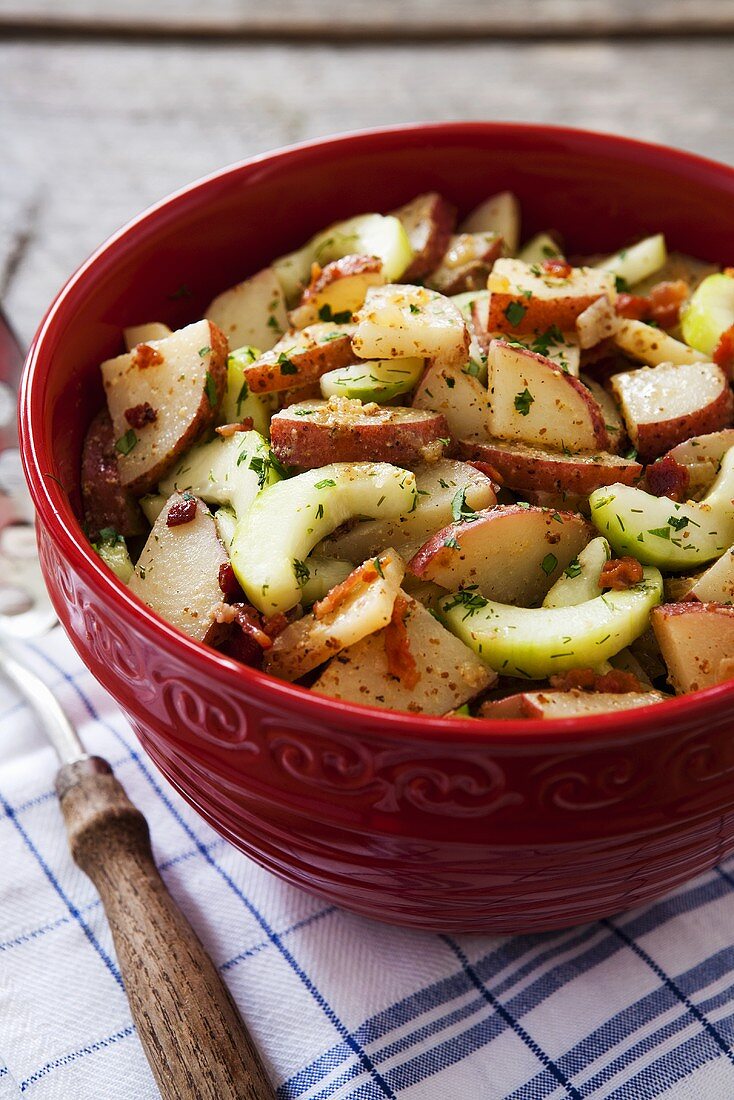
x=661, y=305
x=227, y=430
x=139, y=415
x=616, y=682
x=276, y=624
x=400, y=661
x=724, y=352
x=183, y=511
x=145, y=356
x=488, y=471
x=249, y=620
x=620, y=574
x=557, y=268
x=228, y=582
x=668, y=478
x=364, y=574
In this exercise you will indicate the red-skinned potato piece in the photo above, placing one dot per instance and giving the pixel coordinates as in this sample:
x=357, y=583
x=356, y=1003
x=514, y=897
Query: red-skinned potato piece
x=566, y=704
x=530, y=469
x=467, y=263
x=190, y=363
x=106, y=503
x=514, y=554
x=300, y=358
x=429, y=221
x=316, y=433
x=533, y=401
x=696, y=641
x=667, y=404
x=528, y=298
x=338, y=288
x=699, y=458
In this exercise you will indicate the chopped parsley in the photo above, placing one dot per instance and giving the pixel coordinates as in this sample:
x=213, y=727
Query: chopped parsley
x=325, y=483
x=678, y=522
x=549, y=563
x=414, y=308
x=573, y=569
x=343, y=317
x=210, y=387
x=286, y=365
x=320, y=512
x=515, y=312
x=203, y=352
x=450, y=382
x=660, y=532
x=469, y=599
x=523, y=401
x=242, y=395
x=460, y=510
x=378, y=566
x=452, y=543
x=126, y=442
x=301, y=570
x=620, y=284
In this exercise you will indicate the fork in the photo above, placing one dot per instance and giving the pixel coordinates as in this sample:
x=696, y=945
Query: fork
x=193, y=1036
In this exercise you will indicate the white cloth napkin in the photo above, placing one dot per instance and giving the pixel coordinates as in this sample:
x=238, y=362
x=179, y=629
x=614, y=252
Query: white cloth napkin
x=635, y=1007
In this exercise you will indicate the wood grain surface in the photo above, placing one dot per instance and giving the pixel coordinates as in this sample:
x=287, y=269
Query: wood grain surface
x=379, y=18
x=93, y=132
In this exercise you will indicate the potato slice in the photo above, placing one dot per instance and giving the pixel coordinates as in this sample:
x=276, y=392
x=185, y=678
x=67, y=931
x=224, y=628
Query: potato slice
x=697, y=643
x=428, y=221
x=466, y=264
x=499, y=214
x=106, y=503
x=337, y=290
x=598, y=322
x=567, y=704
x=652, y=346
x=449, y=673
x=300, y=358
x=534, y=402
x=529, y=298
x=177, y=574
x=161, y=396
x=360, y=605
x=315, y=433
x=461, y=399
x=530, y=469
x=512, y=553
x=252, y=312
x=143, y=334
x=400, y=321
x=664, y=405
x=716, y=584
x=437, y=486
x=701, y=457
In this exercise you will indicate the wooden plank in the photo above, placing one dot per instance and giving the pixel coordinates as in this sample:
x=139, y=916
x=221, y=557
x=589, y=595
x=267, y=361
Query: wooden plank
x=373, y=18
x=91, y=133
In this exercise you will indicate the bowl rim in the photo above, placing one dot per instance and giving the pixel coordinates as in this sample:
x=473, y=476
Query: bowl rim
x=57, y=519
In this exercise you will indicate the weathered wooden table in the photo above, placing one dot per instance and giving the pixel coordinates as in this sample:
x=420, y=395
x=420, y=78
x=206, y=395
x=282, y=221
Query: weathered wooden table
x=105, y=108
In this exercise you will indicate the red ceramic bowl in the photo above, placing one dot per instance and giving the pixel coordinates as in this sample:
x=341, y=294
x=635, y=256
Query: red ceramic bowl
x=432, y=823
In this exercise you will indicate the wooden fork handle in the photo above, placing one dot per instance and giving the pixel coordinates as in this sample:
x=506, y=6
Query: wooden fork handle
x=193, y=1036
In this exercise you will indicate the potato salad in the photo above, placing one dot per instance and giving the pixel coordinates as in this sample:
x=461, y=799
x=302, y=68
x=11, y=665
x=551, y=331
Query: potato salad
x=432, y=465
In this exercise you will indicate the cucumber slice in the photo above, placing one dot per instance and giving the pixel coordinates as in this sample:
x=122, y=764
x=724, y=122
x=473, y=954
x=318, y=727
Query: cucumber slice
x=112, y=549
x=152, y=505
x=638, y=262
x=225, y=522
x=366, y=235
x=535, y=642
x=238, y=402
x=466, y=300
x=227, y=471
x=287, y=520
x=323, y=574
x=709, y=313
x=580, y=579
x=374, y=380
x=540, y=247
x=657, y=531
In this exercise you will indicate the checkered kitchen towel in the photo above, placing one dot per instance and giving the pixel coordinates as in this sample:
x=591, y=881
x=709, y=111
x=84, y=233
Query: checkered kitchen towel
x=630, y=1008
